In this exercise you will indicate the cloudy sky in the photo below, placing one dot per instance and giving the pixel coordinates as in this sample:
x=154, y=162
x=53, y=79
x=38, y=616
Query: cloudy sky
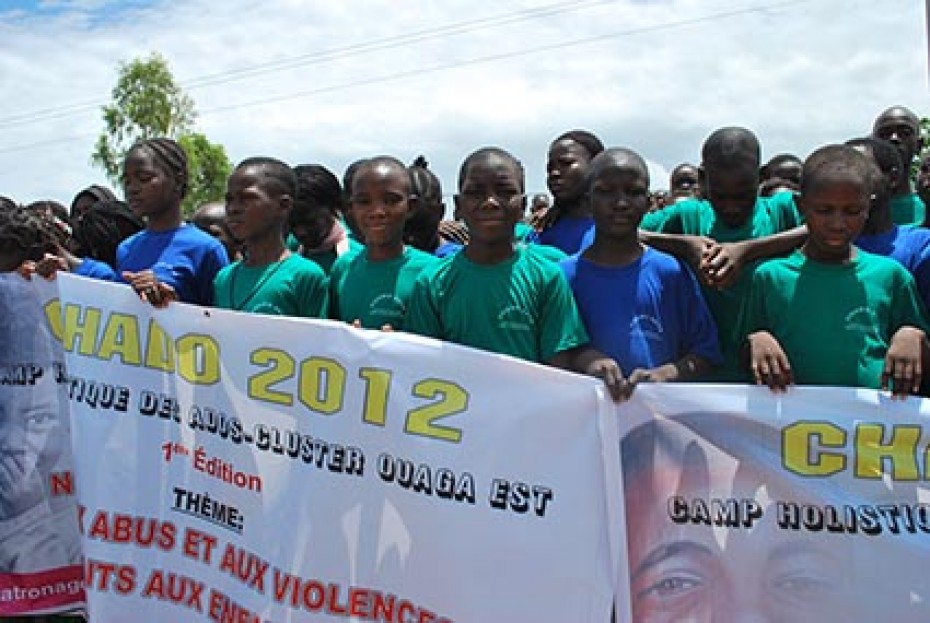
x=331, y=82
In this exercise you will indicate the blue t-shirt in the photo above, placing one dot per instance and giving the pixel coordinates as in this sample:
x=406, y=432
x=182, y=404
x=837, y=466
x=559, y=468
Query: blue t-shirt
x=567, y=234
x=186, y=258
x=645, y=314
x=446, y=249
x=910, y=246
x=95, y=269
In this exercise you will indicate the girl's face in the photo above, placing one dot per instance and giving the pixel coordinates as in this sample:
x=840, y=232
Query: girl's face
x=566, y=169
x=150, y=189
x=381, y=203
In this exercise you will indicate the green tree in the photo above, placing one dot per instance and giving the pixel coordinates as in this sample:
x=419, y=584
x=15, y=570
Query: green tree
x=209, y=168
x=148, y=103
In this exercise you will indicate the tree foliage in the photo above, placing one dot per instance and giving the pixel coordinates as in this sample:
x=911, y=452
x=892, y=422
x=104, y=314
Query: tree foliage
x=209, y=168
x=148, y=103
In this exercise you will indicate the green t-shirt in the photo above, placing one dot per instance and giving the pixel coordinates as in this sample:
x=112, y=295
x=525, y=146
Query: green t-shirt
x=908, y=210
x=696, y=217
x=375, y=293
x=522, y=306
x=295, y=286
x=551, y=253
x=833, y=321
x=523, y=231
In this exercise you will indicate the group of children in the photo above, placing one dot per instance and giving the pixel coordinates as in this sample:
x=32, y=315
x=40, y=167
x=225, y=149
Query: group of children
x=813, y=272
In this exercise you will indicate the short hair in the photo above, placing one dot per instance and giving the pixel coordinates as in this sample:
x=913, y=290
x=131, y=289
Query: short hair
x=169, y=156
x=778, y=160
x=612, y=154
x=98, y=232
x=897, y=110
x=273, y=174
x=349, y=175
x=588, y=140
x=731, y=146
x=887, y=157
x=26, y=232
x=7, y=204
x=833, y=159
x=485, y=152
x=318, y=187
x=387, y=160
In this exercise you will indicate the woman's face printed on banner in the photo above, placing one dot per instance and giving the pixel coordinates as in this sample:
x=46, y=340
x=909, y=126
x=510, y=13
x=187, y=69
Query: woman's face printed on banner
x=31, y=441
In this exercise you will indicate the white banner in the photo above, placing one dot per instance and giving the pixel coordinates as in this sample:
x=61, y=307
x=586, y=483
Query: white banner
x=240, y=467
x=742, y=505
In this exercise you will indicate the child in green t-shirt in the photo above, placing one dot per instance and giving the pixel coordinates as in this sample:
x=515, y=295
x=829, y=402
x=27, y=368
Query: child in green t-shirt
x=372, y=288
x=270, y=279
x=498, y=297
x=901, y=127
x=724, y=234
x=831, y=314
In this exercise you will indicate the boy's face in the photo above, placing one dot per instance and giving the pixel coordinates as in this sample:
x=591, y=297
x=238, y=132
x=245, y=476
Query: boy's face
x=380, y=203
x=685, y=182
x=491, y=199
x=566, y=169
x=836, y=209
x=251, y=212
x=732, y=192
x=619, y=194
x=902, y=130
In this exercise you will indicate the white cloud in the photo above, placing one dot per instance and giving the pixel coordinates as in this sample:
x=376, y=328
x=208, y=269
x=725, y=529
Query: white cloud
x=387, y=77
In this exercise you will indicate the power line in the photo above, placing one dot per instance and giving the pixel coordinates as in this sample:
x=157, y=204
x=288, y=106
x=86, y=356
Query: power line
x=466, y=63
x=233, y=75
x=501, y=56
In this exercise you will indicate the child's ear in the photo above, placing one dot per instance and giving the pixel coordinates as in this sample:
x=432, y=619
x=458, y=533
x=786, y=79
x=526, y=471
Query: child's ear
x=286, y=203
x=456, y=213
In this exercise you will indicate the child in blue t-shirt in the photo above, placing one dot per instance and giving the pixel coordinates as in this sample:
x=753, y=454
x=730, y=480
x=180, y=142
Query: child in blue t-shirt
x=908, y=245
x=569, y=219
x=169, y=259
x=641, y=307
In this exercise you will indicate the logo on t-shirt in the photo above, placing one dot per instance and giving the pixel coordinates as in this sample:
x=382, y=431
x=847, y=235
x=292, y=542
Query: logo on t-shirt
x=862, y=320
x=515, y=318
x=388, y=308
x=648, y=327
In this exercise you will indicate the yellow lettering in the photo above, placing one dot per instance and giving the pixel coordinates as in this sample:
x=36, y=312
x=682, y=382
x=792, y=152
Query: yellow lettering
x=159, y=349
x=282, y=368
x=901, y=451
x=377, y=388
x=199, y=359
x=449, y=399
x=802, y=448
x=81, y=327
x=53, y=314
x=322, y=384
x=121, y=337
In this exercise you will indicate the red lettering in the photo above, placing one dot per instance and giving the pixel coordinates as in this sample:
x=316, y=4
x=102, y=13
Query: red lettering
x=359, y=601
x=62, y=483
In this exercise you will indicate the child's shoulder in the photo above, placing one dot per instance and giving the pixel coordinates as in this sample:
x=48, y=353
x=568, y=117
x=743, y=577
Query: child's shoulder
x=416, y=258
x=874, y=264
x=299, y=265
